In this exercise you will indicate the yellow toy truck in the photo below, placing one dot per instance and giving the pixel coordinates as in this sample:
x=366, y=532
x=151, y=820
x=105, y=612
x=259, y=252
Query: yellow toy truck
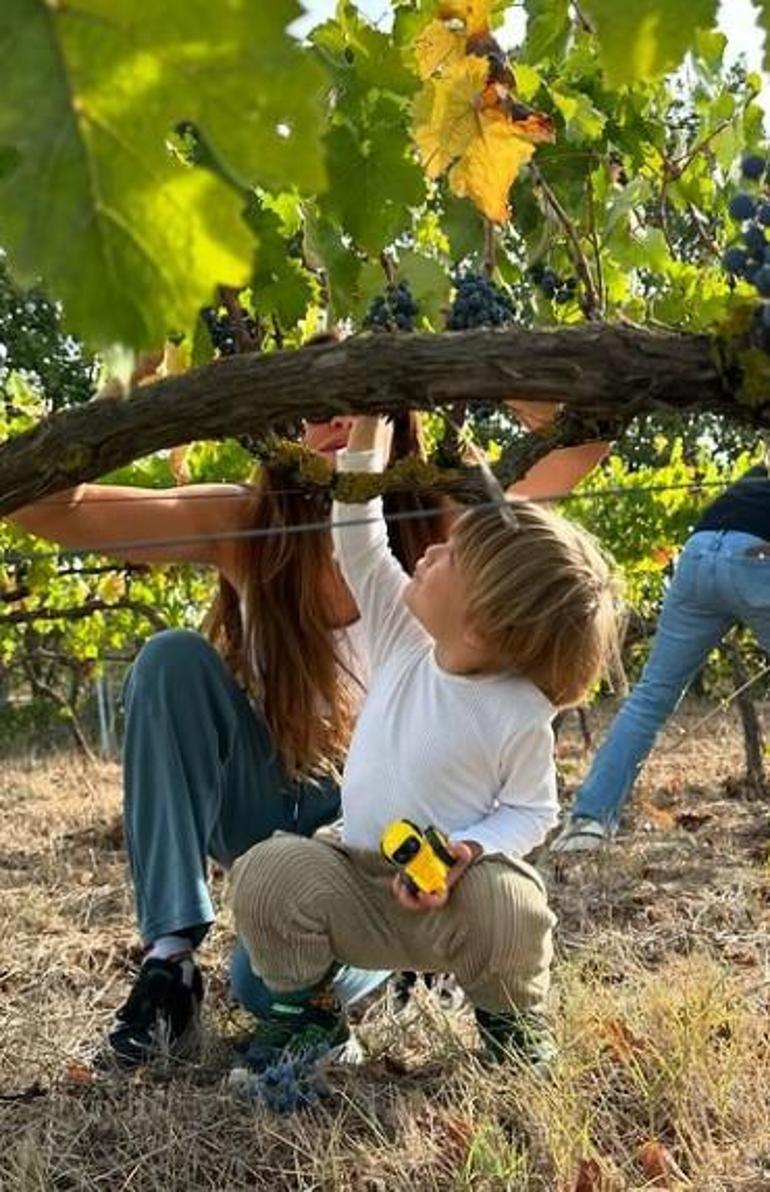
x=422, y=858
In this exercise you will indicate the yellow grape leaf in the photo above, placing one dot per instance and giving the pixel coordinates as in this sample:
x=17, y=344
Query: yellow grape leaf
x=490, y=165
x=437, y=48
x=446, y=115
x=112, y=587
x=475, y=125
x=474, y=14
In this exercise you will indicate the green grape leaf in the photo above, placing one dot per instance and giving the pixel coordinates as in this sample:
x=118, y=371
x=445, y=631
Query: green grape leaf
x=582, y=121
x=361, y=57
x=410, y=18
x=130, y=239
x=373, y=178
x=648, y=38
x=528, y=82
x=370, y=282
x=430, y=284
x=10, y=159
x=548, y=27
x=325, y=250
x=755, y=367
x=202, y=351
x=763, y=20
x=280, y=283
x=464, y=227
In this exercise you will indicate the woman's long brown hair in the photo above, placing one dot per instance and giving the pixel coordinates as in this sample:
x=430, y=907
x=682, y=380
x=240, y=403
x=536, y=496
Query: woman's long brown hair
x=278, y=636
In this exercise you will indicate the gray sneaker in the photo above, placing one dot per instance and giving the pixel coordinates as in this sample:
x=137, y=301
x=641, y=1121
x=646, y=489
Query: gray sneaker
x=581, y=834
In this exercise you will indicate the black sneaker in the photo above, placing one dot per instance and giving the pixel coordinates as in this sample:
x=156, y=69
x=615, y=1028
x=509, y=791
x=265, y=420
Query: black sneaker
x=316, y=1027
x=161, y=1015
x=518, y=1036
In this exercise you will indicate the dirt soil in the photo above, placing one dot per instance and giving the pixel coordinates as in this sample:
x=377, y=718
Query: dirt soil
x=661, y=998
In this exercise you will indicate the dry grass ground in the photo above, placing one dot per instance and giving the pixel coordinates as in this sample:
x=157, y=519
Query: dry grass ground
x=662, y=990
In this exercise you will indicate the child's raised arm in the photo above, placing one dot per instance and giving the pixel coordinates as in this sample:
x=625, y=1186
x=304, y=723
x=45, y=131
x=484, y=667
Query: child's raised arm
x=360, y=535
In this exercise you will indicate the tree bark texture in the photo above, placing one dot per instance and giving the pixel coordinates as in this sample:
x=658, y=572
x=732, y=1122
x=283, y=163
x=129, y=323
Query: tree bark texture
x=606, y=375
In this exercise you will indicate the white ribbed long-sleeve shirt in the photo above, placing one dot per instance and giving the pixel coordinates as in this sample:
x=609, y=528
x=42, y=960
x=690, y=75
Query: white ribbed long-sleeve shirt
x=471, y=754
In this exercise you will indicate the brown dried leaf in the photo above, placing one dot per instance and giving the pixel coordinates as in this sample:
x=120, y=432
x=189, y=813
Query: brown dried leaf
x=79, y=1073
x=658, y=816
x=592, y=1176
x=659, y=1165
x=621, y=1041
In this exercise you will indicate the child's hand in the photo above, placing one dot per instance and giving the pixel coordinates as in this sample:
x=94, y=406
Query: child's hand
x=465, y=853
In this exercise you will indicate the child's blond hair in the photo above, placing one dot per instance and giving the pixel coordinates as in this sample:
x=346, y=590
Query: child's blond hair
x=542, y=594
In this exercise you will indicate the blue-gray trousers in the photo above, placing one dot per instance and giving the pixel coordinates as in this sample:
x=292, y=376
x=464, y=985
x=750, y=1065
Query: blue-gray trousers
x=716, y=584
x=203, y=780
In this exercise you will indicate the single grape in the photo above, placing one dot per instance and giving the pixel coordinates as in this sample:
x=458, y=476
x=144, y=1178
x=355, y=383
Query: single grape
x=742, y=206
x=752, y=166
x=754, y=239
x=763, y=214
x=762, y=281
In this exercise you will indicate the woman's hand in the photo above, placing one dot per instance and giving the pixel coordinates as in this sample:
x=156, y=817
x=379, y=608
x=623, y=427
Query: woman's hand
x=535, y=414
x=465, y=852
x=371, y=434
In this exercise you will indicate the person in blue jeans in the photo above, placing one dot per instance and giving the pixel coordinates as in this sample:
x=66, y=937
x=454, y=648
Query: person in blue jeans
x=722, y=578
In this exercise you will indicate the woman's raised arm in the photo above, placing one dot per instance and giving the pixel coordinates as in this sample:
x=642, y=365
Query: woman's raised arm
x=185, y=522
x=558, y=472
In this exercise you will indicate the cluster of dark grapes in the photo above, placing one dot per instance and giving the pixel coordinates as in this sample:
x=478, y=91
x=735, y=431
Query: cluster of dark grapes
x=290, y=1085
x=395, y=310
x=558, y=289
x=751, y=260
x=219, y=324
x=478, y=302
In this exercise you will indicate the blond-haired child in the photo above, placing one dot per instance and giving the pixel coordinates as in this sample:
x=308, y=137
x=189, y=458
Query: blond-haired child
x=509, y=619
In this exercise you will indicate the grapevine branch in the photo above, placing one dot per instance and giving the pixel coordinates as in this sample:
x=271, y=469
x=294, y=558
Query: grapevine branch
x=81, y=611
x=605, y=375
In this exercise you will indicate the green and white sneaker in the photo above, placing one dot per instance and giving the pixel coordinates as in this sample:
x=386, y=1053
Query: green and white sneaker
x=516, y=1036
x=293, y=1029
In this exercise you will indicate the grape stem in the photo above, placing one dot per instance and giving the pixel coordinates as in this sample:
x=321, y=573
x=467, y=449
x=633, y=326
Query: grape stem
x=593, y=237
x=229, y=297
x=591, y=302
x=388, y=267
x=490, y=247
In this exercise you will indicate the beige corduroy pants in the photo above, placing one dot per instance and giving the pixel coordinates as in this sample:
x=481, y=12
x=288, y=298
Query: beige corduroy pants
x=301, y=906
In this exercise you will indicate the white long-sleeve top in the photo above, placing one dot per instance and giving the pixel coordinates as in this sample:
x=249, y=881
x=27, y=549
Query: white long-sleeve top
x=470, y=754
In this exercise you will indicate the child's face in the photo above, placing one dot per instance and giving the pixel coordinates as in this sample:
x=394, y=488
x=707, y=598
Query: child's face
x=436, y=594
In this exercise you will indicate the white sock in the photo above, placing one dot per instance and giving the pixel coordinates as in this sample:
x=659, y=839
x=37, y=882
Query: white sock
x=166, y=947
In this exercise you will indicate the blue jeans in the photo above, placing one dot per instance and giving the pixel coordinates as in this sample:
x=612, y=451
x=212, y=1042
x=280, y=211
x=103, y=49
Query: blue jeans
x=203, y=779
x=715, y=586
